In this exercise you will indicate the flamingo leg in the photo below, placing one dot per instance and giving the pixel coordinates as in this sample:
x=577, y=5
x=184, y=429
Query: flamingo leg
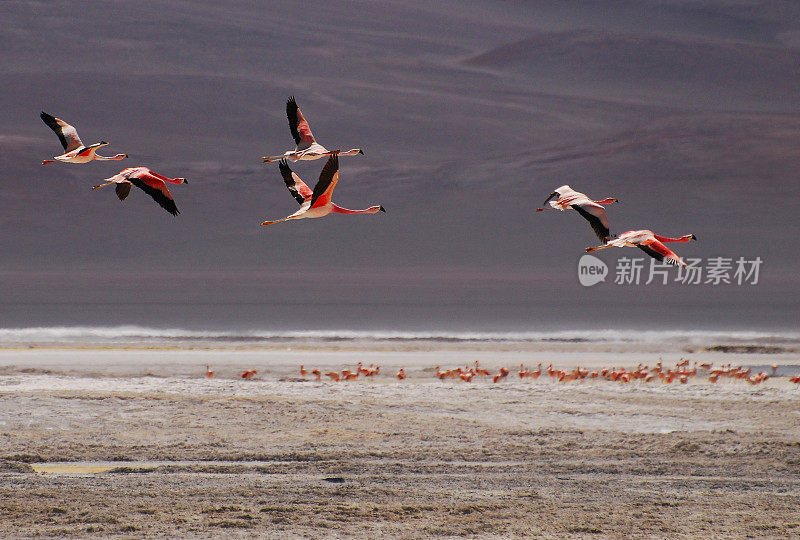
x=273, y=222
x=102, y=185
x=597, y=248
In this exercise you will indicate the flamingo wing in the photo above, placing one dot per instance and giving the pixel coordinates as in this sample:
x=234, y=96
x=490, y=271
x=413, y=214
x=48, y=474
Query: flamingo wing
x=299, y=190
x=660, y=252
x=122, y=190
x=297, y=123
x=141, y=172
x=597, y=218
x=328, y=178
x=67, y=134
x=157, y=189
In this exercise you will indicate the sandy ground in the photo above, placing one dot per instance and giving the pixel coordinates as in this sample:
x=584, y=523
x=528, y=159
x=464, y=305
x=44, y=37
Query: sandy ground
x=182, y=455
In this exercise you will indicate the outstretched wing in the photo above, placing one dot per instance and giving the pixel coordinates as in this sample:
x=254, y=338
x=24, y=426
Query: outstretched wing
x=297, y=123
x=660, y=252
x=323, y=191
x=67, y=134
x=157, y=189
x=597, y=218
x=300, y=191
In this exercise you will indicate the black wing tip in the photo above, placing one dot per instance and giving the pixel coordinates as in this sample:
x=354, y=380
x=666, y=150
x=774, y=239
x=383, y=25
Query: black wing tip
x=331, y=166
x=291, y=114
x=167, y=203
x=599, y=229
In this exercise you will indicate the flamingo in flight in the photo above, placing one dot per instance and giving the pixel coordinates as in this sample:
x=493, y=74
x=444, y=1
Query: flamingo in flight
x=650, y=243
x=74, y=150
x=307, y=146
x=148, y=181
x=317, y=203
x=591, y=210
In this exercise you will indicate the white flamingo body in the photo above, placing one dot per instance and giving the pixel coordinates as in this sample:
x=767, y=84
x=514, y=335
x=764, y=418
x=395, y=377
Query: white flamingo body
x=317, y=203
x=308, y=148
x=148, y=181
x=74, y=150
x=650, y=243
x=591, y=210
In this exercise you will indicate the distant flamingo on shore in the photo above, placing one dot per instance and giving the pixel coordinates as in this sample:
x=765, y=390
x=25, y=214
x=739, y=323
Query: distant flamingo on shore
x=209, y=373
x=249, y=374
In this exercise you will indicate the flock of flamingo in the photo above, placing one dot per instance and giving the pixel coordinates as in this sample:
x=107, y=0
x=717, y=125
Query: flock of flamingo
x=681, y=373
x=314, y=203
x=594, y=212
x=318, y=203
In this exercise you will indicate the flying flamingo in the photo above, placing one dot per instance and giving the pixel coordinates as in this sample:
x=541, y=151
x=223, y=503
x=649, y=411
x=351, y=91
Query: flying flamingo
x=74, y=149
x=591, y=210
x=148, y=181
x=307, y=146
x=650, y=243
x=317, y=203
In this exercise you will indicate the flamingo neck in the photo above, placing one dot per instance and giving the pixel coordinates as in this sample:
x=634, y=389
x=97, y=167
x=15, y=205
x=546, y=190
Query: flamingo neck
x=175, y=180
x=684, y=238
x=339, y=210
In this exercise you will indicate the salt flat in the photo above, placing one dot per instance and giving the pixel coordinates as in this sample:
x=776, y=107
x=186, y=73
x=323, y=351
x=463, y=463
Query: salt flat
x=281, y=457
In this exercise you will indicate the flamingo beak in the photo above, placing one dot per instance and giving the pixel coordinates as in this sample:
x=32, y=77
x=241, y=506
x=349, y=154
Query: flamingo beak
x=382, y=209
x=360, y=151
x=694, y=237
